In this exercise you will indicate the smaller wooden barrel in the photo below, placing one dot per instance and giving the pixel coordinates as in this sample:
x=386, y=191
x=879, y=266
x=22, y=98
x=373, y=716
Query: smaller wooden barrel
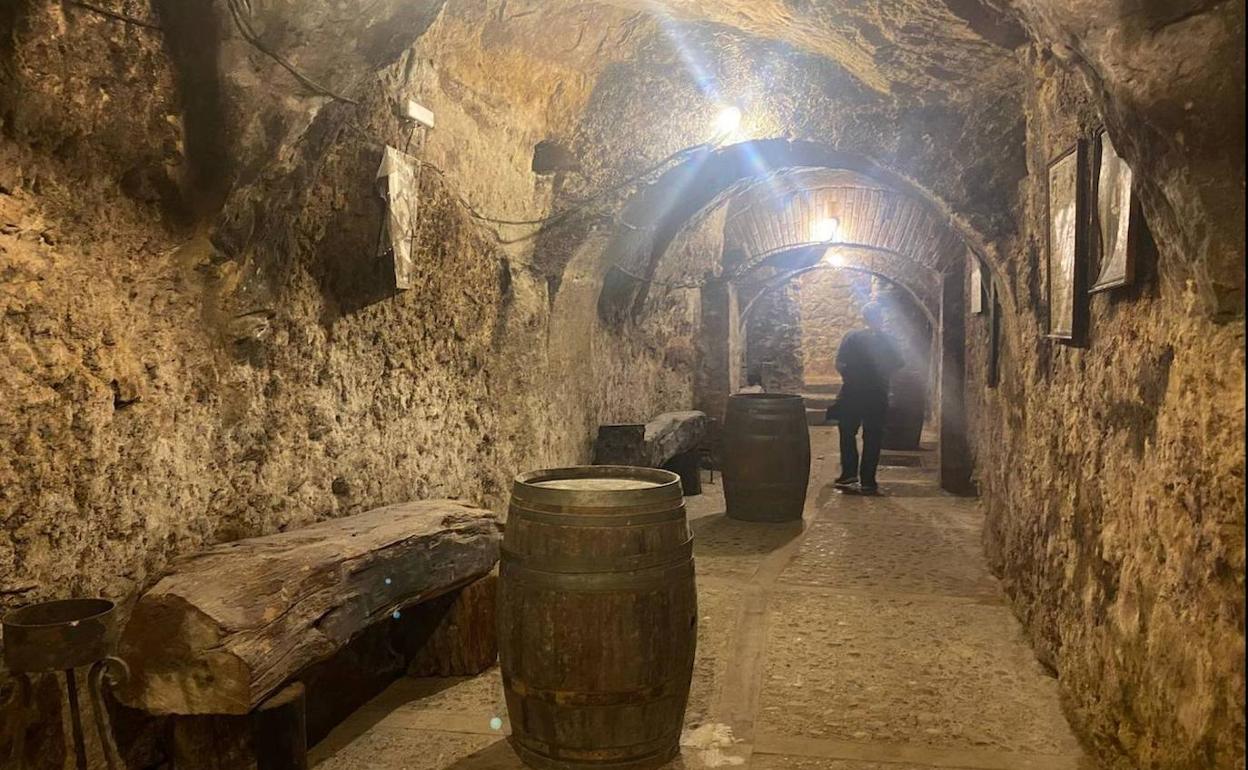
x=597, y=617
x=766, y=457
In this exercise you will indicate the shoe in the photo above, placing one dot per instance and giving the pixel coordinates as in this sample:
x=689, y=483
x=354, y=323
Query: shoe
x=869, y=489
x=845, y=482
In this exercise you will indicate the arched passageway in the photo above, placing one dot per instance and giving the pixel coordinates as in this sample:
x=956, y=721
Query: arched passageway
x=792, y=327
x=767, y=168
x=783, y=214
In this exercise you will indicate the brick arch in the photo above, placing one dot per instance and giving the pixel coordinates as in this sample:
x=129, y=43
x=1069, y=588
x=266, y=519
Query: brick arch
x=785, y=214
x=926, y=296
x=656, y=214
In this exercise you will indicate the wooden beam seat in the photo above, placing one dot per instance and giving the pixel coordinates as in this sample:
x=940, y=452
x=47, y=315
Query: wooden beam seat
x=671, y=440
x=227, y=627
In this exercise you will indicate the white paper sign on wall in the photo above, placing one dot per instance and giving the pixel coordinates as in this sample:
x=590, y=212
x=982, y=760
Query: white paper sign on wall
x=398, y=182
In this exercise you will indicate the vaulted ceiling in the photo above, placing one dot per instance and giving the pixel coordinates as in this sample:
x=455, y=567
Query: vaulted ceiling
x=792, y=210
x=894, y=46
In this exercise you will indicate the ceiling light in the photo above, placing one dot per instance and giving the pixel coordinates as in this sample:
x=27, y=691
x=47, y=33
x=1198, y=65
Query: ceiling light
x=826, y=230
x=727, y=121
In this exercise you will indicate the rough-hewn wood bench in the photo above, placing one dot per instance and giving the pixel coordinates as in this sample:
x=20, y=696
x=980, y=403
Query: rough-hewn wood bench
x=229, y=637
x=671, y=440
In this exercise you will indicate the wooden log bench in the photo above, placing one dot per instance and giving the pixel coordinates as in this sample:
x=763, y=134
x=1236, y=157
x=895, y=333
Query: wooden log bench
x=248, y=643
x=672, y=440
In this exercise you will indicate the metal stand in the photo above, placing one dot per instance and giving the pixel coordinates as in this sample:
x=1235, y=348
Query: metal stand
x=64, y=636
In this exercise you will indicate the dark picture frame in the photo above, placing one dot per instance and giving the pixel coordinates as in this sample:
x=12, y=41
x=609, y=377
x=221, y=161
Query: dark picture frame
x=1116, y=218
x=1066, y=228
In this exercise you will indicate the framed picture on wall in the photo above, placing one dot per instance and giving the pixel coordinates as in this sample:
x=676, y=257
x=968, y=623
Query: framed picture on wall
x=1067, y=242
x=1115, y=218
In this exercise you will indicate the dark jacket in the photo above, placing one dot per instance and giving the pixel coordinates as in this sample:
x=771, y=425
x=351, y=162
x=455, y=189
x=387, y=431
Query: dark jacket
x=866, y=359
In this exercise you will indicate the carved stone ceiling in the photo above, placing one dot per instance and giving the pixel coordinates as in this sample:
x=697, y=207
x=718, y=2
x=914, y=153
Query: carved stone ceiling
x=894, y=46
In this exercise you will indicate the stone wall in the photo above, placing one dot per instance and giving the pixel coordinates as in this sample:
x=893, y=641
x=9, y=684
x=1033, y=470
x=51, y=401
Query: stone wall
x=831, y=306
x=1165, y=80
x=166, y=389
x=1113, y=481
x=773, y=340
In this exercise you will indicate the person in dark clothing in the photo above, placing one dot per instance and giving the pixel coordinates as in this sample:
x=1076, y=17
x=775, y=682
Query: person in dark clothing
x=866, y=359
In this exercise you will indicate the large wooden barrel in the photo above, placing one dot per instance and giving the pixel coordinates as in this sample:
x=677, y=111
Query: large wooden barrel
x=597, y=617
x=907, y=407
x=766, y=457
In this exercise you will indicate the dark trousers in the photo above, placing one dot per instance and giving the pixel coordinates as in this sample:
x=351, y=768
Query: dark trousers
x=870, y=418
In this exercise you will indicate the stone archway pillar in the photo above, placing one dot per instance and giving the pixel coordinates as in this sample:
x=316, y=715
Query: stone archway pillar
x=720, y=349
x=956, y=463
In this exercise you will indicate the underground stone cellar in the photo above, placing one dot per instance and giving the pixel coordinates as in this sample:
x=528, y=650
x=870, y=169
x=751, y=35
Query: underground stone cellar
x=455, y=384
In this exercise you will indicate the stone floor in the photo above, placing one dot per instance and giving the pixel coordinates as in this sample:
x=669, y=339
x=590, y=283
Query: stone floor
x=869, y=636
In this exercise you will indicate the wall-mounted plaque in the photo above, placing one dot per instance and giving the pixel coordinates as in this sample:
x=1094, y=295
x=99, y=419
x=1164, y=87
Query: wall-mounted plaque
x=398, y=183
x=1067, y=217
x=1115, y=226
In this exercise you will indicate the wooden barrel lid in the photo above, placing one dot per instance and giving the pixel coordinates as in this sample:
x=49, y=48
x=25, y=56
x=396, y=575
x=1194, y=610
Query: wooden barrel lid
x=597, y=486
x=764, y=398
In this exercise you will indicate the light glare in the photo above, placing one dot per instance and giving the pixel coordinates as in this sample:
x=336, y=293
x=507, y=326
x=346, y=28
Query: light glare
x=834, y=258
x=727, y=122
x=825, y=230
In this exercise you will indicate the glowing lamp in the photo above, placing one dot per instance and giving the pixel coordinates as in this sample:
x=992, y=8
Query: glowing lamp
x=826, y=230
x=727, y=121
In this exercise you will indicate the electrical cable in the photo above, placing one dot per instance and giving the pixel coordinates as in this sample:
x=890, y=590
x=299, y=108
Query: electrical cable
x=114, y=15
x=656, y=281
x=249, y=34
x=411, y=133
x=544, y=222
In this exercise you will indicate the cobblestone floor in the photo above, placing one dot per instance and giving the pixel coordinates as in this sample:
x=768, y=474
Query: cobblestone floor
x=869, y=636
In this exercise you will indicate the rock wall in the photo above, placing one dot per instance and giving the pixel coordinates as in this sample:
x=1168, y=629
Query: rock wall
x=773, y=340
x=173, y=382
x=1164, y=78
x=1113, y=478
